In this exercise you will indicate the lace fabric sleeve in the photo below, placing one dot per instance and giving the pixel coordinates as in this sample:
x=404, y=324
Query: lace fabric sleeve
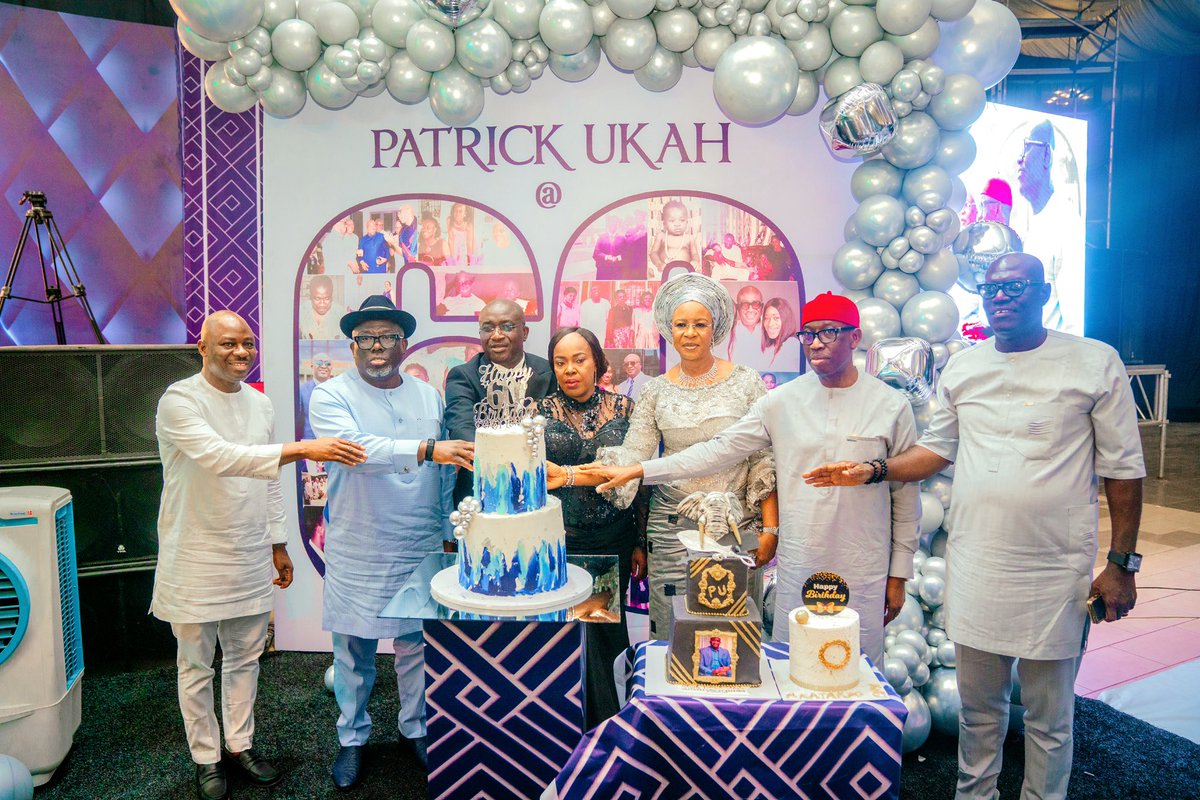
x=760, y=480
x=641, y=443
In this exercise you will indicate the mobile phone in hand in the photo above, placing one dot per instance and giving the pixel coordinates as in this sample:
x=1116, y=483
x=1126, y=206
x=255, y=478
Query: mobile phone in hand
x=1096, y=609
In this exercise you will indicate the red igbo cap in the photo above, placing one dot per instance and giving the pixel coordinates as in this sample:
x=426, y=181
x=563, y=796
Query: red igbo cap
x=832, y=307
x=999, y=191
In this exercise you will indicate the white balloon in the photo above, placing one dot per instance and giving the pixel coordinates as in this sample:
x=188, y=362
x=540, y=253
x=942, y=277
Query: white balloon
x=455, y=95
x=919, y=44
x=984, y=44
x=880, y=62
x=661, y=72
x=276, y=11
x=932, y=512
x=198, y=45
x=631, y=9
x=566, y=26
x=483, y=47
x=307, y=10
x=603, y=18
x=219, y=20
x=812, y=51
x=580, y=66
x=792, y=27
x=327, y=89
x=369, y=73
x=630, y=43
x=755, y=80
x=392, y=19
x=676, y=29
x=902, y=17
x=295, y=45
x=518, y=17
x=808, y=92
x=853, y=30
x=711, y=44
x=932, y=316
x=430, y=45
x=934, y=565
x=336, y=23
x=225, y=94
x=285, y=95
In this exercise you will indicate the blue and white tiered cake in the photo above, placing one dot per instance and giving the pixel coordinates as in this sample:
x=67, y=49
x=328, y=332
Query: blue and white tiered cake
x=511, y=537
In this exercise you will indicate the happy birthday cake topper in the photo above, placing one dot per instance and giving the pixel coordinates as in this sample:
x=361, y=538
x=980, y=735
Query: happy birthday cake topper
x=826, y=593
x=505, y=400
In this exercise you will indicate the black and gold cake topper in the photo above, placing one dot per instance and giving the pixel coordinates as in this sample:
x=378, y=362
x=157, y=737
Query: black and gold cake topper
x=826, y=593
x=716, y=587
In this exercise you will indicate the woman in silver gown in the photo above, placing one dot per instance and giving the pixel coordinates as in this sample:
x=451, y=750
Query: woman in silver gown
x=690, y=403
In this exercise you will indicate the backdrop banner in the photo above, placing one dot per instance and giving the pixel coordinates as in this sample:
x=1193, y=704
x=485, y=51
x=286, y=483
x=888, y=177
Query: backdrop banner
x=577, y=209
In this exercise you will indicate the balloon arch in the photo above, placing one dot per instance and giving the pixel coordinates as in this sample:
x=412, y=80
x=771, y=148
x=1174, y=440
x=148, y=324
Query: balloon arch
x=904, y=80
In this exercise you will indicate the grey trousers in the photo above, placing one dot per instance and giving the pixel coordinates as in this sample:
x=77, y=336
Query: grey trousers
x=1048, y=693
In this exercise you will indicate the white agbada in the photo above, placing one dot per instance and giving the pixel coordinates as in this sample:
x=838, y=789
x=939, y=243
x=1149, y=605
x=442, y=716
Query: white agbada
x=864, y=534
x=221, y=507
x=1030, y=433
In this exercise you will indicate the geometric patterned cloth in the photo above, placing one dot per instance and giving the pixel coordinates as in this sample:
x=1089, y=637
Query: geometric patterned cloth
x=504, y=705
x=717, y=748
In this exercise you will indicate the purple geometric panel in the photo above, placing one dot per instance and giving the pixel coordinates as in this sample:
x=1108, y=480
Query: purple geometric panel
x=146, y=204
x=48, y=169
x=45, y=60
x=92, y=119
x=97, y=35
x=19, y=126
x=134, y=71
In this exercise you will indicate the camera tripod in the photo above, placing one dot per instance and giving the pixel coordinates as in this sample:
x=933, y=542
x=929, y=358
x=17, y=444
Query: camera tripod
x=36, y=218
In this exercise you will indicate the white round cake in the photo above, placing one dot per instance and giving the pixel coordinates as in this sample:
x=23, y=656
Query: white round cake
x=824, y=649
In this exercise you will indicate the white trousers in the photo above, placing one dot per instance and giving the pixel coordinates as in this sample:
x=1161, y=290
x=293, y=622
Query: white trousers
x=1048, y=693
x=242, y=641
x=354, y=679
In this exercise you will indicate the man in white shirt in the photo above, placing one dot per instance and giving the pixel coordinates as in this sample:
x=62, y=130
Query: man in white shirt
x=221, y=528
x=317, y=322
x=1031, y=419
x=593, y=313
x=728, y=262
x=745, y=340
x=635, y=379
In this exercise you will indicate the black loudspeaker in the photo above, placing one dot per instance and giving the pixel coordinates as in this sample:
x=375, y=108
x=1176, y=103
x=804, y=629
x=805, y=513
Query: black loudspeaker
x=80, y=404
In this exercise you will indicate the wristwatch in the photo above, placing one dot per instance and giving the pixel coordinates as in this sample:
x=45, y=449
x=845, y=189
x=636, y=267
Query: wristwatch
x=430, y=444
x=1130, y=562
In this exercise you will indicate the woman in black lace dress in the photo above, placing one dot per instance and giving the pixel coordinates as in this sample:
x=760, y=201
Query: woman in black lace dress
x=580, y=419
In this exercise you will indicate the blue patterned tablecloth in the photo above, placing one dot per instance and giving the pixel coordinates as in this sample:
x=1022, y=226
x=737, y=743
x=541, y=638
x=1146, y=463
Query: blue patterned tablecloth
x=718, y=747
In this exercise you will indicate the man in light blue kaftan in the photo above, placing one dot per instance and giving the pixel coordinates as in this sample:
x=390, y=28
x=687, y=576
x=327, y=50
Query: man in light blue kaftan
x=383, y=518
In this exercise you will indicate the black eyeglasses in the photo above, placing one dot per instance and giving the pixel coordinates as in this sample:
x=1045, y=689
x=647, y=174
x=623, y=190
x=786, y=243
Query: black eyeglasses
x=826, y=335
x=1011, y=288
x=489, y=329
x=387, y=341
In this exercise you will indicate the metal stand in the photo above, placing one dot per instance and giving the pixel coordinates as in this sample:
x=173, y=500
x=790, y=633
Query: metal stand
x=1152, y=408
x=36, y=218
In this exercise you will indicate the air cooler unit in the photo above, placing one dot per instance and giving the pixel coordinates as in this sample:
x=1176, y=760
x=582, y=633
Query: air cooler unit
x=41, y=649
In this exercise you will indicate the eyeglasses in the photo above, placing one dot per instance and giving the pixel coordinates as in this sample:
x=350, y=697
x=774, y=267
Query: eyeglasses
x=750, y=304
x=320, y=363
x=387, y=341
x=1011, y=288
x=489, y=329
x=826, y=335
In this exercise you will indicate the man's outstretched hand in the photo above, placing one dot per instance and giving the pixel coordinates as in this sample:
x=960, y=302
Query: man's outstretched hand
x=612, y=476
x=456, y=452
x=331, y=448
x=839, y=473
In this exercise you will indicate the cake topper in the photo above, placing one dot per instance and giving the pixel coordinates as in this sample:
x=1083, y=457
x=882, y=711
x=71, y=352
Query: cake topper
x=716, y=514
x=825, y=593
x=505, y=400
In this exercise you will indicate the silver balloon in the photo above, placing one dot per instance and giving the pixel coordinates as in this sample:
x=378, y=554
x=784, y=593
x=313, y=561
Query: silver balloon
x=898, y=247
x=841, y=76
x=935, y=637
x=676, y=29
x=285, y=95
x=661, y=72
x=932, y=316
x=711, y=44
x=879, y=219
x=939, y=272
x=959, y=104
x=943, y=222
x=224, y=93
x=307, y=10
x=860, y=121
x=631, y=9
x=860, y=360
x=276, y=11
x=934, y=565
x=920, y=675
x=914, y=217
x=937, y=542
x=344, y=63
x=875, y=176
x=880, y=62
x=630, y=44
x=454, y=13
x=854, y=30
x=295, y=45
x=813, y=49
x=940, y=487
x=455, y=95
x=906, y=654
x=894, y=671
x=261, y=81
x=956, y=151
x=941, y=693
x=362, y=9
x=889, y=261
x=918, y=722
x=929, y=178
x=855, y=295
x=906, y=85
x=372, y=48
x=919, y=557
x=336, y=23
x=902, y=17
x=924, y=240
x=327, y=89
x=405, y=81
x=978, y=246
x=937, y=619
x=911, y=262
x=911, y=617
x=219, y=20
x=755, y=80
x=430, y=45
x=905, y=364
x=393, y=18
x=984, y=44
x=808, y=92
x=896, y=287
x=578, y=66
x=247, y=60
x=850, y=229
x=923, y=414
x=878, y=320
x=856, y=265
x=933, y=590
x=369, y=73
x=566, y=26
x=933, y=80
x=915, y=142
x=603, y=18
x=518, y=17
x=919, y=44
x=915, y=640
x=947, y=654
x=941, y=354
x=199, y=46
x=483, y=47
x=950, y=10
x=792, y=27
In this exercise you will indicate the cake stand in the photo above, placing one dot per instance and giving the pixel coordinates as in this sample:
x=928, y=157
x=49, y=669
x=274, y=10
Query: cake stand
x=446, y=590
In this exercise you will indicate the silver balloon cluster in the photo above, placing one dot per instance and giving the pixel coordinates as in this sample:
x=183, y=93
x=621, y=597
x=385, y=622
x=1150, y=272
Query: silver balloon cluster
x=461, y=518
x=904, y=363
x=979, y=244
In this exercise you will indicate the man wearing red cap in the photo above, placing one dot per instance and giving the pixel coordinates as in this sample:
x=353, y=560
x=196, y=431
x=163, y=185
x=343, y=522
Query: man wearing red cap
x=995, y=203
x=867, y=539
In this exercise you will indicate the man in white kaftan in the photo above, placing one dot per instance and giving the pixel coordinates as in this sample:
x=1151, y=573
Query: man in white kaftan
x=220, y=531
x=383, y=517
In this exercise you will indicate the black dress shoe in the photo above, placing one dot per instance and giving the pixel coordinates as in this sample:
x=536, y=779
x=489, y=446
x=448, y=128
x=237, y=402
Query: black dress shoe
x=210, y=782
x=260, y=771
x=420, y=746
x=347, y=765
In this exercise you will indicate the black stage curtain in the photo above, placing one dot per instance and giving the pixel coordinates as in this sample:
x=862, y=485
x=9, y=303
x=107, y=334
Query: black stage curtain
x=150, y=12
x=1155, y=227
